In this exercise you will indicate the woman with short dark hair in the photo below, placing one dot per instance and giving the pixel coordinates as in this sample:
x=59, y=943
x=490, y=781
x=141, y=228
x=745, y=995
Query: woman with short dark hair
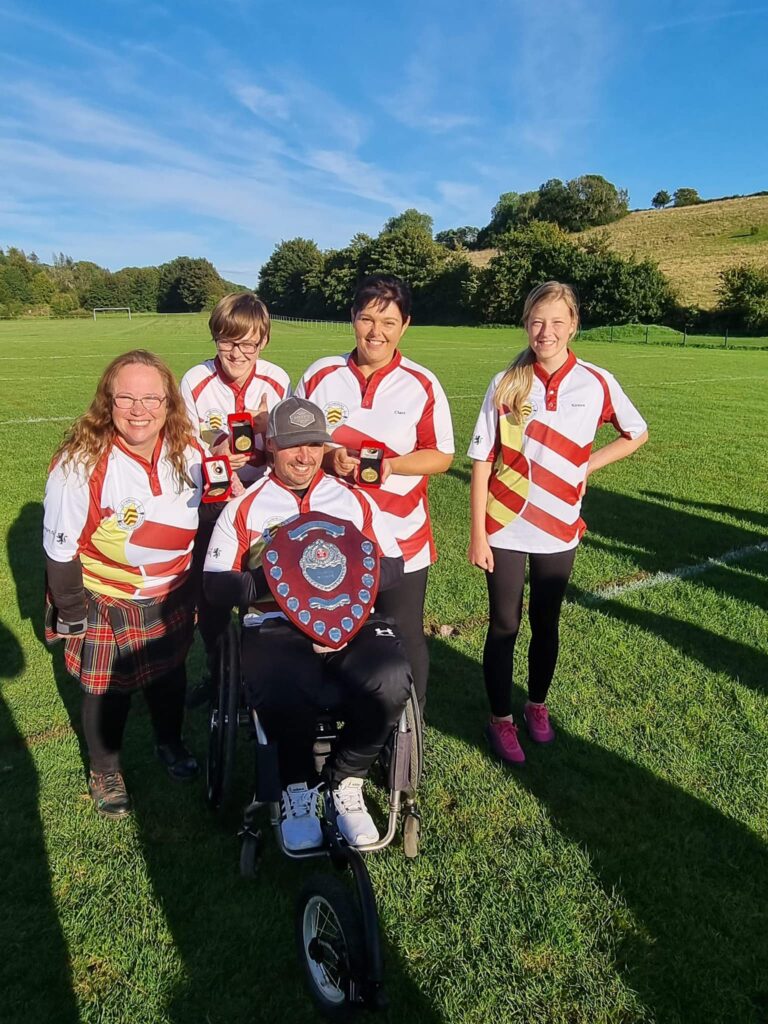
x=374, y=397
x=120, y=518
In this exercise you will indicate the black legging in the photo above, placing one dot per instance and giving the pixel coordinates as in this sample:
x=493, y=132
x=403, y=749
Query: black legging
x=404, y=604
x=104, y=715
x=548, y=580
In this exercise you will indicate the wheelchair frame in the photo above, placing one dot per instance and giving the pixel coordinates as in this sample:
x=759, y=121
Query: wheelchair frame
x=343, y=968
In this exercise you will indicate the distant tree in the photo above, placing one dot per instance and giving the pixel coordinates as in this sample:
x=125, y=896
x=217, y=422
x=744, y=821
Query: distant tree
x=686, y=197
x=409, y=219
x=661, y=199
x=291, y=275
x=458, y=238
x=187, y=285
x=410, y=253
x=594, y=201
x=743, y=297
x=341, y=271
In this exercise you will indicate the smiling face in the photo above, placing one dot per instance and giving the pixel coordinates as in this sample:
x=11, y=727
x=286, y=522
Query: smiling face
x=236, y=363
x=297, y=467
x=138, y=427
x=550, y=326
x=378, y=330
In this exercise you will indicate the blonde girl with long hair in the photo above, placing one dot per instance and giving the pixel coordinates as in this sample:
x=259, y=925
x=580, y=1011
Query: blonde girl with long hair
x=532, y=454
x=120, y=518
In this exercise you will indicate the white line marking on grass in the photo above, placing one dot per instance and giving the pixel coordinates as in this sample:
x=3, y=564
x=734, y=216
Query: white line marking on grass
x=104, y=356
x=39, y=419
x=685, y=572
x=697, y=380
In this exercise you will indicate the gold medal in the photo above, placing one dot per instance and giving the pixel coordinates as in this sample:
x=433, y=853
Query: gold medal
x=243, y=443
x=369, y=475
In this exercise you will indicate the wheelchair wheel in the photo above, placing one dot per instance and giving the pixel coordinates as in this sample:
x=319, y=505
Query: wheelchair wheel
x=223, y=720
x=331, y=946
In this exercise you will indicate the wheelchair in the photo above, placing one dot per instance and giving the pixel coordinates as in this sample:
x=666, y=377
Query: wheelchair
x=336, y=926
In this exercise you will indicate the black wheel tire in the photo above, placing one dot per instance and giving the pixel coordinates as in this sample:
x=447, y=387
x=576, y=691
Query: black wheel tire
x=411, y=835
x=328, y=925
x=223, y=720
x=417, y=741
x=251, y=846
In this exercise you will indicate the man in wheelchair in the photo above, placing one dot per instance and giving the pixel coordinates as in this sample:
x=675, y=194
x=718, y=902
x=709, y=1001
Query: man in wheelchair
x=289, y=676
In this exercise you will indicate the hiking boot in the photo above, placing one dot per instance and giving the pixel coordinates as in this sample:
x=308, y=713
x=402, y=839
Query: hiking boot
x=537, y=722
x=179, y=763
x=503, y=741
x=109, y=795
x=300, y=825
x=352, y=817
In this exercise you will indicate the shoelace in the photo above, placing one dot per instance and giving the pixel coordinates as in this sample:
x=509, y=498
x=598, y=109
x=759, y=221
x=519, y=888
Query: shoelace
x=301, y=802
x=349, y=799
x=112, y=784
x=539, y=712
x=506, y=727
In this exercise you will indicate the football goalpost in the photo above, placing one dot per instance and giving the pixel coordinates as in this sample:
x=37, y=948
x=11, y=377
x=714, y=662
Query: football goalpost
x=111, y=309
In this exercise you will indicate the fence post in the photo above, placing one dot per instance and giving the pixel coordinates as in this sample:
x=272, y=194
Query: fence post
x=685, y=334
x=725, y=339
x=611, y=337
x=646, y=334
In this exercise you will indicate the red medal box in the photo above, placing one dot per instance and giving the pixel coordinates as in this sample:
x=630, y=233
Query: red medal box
x=369, y=470
x=242, y=439
x=324, y=574
x=217, y=478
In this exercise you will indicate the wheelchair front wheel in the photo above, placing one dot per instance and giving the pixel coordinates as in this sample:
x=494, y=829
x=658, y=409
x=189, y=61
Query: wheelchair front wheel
x=331, y=945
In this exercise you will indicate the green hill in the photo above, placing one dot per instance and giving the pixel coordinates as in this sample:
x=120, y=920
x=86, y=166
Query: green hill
x=691, y=244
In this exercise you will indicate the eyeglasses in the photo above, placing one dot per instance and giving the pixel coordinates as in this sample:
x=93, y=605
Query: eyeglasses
x=248, y=348
x=150, y=402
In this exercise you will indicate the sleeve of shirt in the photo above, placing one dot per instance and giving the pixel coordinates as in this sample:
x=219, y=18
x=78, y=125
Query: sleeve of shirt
x=483, y=446
x=225, y=551
x=186, y=393
x=65, y=512
x=434, y=429
x=623, y=414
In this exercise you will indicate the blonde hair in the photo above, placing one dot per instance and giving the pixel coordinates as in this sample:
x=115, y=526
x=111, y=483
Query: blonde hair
x=94, y=432
x=515, y=385
x=236, y=315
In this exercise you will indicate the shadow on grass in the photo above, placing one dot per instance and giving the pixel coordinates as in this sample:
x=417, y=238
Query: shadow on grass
x=35, y=976
x=694, y=879
x=234, y=937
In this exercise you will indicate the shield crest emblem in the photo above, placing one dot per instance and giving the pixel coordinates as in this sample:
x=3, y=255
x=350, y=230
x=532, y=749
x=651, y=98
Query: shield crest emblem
x=324, y=575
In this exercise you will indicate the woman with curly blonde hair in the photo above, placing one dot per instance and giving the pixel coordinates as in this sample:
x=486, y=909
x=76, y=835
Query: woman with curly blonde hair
x=120, y=518
x=532, y=452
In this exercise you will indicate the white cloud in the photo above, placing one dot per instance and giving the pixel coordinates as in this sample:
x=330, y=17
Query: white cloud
x=268, y=105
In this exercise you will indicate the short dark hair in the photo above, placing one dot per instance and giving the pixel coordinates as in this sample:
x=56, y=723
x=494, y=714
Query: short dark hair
x=383, y=289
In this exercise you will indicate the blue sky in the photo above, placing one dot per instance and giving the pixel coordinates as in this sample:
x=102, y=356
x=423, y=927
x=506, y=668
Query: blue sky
x=132, y=132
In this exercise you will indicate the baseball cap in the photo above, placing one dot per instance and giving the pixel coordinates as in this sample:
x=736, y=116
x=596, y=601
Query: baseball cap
x=296, y=421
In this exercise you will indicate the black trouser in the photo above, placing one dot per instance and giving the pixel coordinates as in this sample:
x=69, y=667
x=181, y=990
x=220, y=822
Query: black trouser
x=404, y=604
x=548, y=579
x=211, y=620
x=288, y=683
x=104, y=715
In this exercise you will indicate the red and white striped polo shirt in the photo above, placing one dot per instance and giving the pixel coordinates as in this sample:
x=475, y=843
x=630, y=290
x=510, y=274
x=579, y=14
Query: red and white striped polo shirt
x=534, y=496
x=210, y=398
x=238, y=538
x=130, y=522
x=401, y=408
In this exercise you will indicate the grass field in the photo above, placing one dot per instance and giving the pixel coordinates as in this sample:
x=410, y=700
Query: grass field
x=691, y=244
x=619, y=877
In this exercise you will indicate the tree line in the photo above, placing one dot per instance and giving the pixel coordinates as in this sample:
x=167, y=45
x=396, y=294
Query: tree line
x=66, y=287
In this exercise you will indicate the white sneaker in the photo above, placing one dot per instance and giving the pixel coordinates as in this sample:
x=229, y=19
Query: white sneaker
x=355, y=823
x=300, y=825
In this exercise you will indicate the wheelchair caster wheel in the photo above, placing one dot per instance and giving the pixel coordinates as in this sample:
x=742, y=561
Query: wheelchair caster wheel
x=411, y=835
x=331, y=946
x=250, y=854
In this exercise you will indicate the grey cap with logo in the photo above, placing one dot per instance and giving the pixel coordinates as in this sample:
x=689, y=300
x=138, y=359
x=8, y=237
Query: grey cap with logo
x=296, y=421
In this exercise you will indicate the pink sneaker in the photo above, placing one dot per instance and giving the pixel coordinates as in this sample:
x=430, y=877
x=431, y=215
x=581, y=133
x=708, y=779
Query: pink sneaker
x=502, y=737
x=537, y=720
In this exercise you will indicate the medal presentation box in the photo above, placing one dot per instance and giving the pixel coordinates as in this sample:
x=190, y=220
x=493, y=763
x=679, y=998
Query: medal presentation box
x=369, y=470
x=242, y=438
x=217, y=478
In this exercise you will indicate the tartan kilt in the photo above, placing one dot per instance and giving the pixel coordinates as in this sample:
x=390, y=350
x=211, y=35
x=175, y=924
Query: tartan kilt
x=128, y=645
